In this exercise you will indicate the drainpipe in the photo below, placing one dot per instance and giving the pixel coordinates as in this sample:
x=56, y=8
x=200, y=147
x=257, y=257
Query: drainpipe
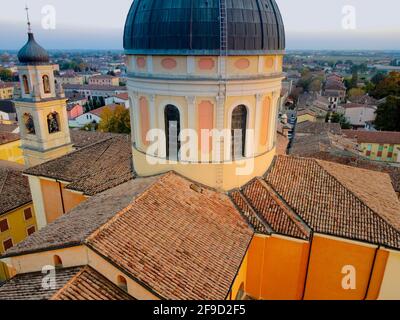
x=308, y=264
x=372, y=272
x=62, y=197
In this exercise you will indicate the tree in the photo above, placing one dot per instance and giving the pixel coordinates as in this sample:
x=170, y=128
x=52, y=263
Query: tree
x=378, y=78
x=388, y=115
x=115, y=121
x=388, y=86
x=6, y=75
x=355, y=92
x=341, y=119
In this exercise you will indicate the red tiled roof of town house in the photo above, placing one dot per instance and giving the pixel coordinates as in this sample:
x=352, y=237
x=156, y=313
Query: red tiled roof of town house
x=266, y=203
x=309, y=127
x=123, y=96
x=74, y=228
x=82, y=138
x=14, y=189
x=381, y=137
x=322, y=195
x=99, y=111
x=178, y=242
x=95, y=87
x=92, y=169
x=78, y=283
x=365, y=99
x=357, y=105
x=88, y=284
x=7, y=137
x=4, y=85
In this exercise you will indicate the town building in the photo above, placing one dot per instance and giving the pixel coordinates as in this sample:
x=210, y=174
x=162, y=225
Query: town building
x=93, y=92
x=162, y=228
x=377, y=145
x=359, y=115
x=6, y=91
x=92, y=117
x=74, y=111
x=8, y=113
x=17, y=216
x=122, y=99
x=70, y=78
x=104, y=80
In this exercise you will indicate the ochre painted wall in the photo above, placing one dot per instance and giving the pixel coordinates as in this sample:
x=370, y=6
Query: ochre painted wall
x=240, y=281
x=57, y=200
x=390, y=289
x=18, y=229
x=276, y=268
x=12, y=152
x=328, y=257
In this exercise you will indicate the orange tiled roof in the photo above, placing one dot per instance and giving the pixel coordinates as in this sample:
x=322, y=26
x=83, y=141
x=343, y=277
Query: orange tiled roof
x=180, y=243
x=77, y=283
x=338, y=200
x=381, y=137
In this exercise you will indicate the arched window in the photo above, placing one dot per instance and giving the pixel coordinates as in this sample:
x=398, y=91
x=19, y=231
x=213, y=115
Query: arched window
x=26, y=84
x=29, y=124
x=57, y=262
x=46, y=84
x=240, y=294
x=238, y=127
x=53, y=122
x=122, y=283
x=172, y=131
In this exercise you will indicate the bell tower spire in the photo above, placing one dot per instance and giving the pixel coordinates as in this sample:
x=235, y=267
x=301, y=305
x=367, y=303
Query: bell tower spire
x=41, y=109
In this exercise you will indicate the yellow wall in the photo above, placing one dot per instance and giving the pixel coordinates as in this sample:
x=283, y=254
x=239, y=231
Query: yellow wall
x=390, y=288
x=57, y=200
x=240, y=280
x=276, y=268
x=17, y=228
x=328, y=257
x=374, y=148
x=12, y=152
x=306, y=117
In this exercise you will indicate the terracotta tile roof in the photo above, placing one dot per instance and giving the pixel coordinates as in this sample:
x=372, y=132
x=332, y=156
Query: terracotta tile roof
x=8, y=127
x=14, y=189
x=78, y=283
x=82, y=139
x=7, y=137
x=381, y=137
x=99, y=111
x=93, y=169
x=93, y=87
x=309, y=127
x=179, y=243
x=88, y=284
x=357, y=105
x=28, y=286
x=328, y=202
x=258, y=196
x=123, y=96
x=73, y=228
x=365, y=99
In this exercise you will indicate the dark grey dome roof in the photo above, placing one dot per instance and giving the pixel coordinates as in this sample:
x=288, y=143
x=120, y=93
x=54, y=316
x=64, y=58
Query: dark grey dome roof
x=194, y=27
x=32, y=52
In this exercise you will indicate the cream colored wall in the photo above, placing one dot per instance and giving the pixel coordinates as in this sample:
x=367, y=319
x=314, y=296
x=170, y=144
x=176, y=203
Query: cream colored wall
x=390, y=288
x=71, y=257
x=38, y=203
x=111, y=273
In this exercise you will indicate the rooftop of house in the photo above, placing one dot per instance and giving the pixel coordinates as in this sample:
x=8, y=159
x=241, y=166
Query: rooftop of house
x=82, y=138
x=92, y=169
x=365, y=99
x=195, y=256
x=103, y=77
x=334, y=85
x=98, y=112
x=79, y=283
x=10, y=128
x=309, y=127
x=7, y=137
x=14, y=189
x=309, y=145
x=93, y=87
x=6, y=85
x=327, y=198
x=381, y=137
x=123, y=96
x=358, y=105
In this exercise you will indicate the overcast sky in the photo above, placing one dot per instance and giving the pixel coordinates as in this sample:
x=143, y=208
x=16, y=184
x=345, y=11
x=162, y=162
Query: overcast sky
x=310, y=24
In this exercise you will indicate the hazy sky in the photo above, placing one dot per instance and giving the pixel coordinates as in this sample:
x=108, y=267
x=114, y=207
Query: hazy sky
x=310, y=24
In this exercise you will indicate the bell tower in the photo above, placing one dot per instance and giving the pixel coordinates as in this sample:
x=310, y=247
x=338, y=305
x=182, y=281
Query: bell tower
x=41, y=109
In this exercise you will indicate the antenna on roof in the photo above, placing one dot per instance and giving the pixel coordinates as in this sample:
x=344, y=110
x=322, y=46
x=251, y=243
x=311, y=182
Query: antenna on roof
x=27, y=18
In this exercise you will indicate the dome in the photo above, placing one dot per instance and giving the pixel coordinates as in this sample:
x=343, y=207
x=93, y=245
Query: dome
x=32, y=52
x=192, y=27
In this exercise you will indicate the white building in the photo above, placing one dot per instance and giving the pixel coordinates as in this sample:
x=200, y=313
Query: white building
x=359, y=114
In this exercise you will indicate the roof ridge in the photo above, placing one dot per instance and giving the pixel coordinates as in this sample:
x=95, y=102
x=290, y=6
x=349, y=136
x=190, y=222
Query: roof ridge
x=69, y=282
x=376, y=214
x=127, y=208
x=266, y=225
x=291, y=214
x=4, y=181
